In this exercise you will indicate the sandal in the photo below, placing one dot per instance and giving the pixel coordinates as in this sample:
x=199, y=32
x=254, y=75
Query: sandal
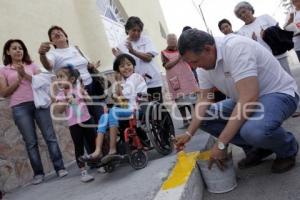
x=90, y=159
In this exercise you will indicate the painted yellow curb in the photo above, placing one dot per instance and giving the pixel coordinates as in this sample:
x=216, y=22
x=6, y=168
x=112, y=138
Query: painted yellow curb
x=185, y=164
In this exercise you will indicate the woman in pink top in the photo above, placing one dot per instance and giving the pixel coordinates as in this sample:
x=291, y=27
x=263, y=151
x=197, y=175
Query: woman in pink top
x=15, y=83
x=181, y=81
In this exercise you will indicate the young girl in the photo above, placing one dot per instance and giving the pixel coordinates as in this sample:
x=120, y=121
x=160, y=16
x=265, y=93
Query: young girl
x=71, y=99
x=126, y=91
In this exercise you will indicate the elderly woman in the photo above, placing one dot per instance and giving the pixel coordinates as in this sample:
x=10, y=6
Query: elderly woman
x=181, y=81
x=254, y=27
x=65, y=54
x=141, y=48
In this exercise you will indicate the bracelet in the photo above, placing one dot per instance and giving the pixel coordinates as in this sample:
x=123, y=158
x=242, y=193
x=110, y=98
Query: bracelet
x=189, y=134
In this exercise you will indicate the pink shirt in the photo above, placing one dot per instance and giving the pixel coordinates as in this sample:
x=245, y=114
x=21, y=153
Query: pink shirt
x=180, y=77
x=77, y=111
x=24, y=92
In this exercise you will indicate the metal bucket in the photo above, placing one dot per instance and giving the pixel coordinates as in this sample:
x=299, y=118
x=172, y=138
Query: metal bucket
x=218, y=181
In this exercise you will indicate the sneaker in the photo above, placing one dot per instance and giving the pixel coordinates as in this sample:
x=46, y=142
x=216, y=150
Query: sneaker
x=254, y=158
x=101, y=170
x=85, y=177
x=61, y=173
x=37, y=179
x=281, y=165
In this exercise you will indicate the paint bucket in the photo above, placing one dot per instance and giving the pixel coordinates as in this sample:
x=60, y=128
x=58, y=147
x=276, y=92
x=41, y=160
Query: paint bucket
x=218, y=181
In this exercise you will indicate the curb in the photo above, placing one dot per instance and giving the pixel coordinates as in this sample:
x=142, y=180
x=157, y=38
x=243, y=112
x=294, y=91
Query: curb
x=185, y=181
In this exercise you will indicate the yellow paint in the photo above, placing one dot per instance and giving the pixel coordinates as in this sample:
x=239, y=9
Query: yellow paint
x=183, y=168
x=204, y=155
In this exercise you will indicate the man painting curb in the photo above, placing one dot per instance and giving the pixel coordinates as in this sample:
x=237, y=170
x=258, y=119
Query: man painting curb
x=261, y=96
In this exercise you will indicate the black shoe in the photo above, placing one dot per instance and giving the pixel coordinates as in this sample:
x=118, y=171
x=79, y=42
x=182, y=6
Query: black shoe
x=254, y=158
x=281, y=165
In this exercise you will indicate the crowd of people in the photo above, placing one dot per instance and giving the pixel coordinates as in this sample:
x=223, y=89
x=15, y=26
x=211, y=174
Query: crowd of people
x=241, y=69
x=72, y=92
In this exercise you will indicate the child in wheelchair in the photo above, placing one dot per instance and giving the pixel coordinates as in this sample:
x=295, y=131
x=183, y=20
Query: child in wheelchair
x=128, y=85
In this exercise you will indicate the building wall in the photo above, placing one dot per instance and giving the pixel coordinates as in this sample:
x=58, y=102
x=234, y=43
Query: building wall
x=30, y=21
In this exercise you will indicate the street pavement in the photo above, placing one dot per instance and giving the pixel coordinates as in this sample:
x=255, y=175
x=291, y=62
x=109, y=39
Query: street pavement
x=123, y=183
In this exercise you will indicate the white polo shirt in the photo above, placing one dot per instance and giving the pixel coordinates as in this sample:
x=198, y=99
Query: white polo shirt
x=238, y=58
x=151, y=68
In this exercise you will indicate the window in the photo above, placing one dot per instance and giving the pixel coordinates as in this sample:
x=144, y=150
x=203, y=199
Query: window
x=113, y=17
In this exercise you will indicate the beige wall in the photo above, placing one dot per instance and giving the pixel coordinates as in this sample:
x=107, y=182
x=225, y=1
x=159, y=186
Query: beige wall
x=29, y=20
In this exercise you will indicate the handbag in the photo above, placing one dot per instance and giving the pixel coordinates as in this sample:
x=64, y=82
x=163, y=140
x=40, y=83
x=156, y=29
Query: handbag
x=100, y=83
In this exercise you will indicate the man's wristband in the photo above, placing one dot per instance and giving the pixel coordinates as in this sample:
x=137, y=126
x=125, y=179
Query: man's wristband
x=189, y=134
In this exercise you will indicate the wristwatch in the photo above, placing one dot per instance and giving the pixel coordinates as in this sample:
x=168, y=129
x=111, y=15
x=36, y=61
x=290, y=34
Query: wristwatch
x=221, y=145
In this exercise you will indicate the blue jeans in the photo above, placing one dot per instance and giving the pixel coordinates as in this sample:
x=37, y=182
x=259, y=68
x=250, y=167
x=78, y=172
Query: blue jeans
x=112, y=118
x=263, y=132
x=25, y=115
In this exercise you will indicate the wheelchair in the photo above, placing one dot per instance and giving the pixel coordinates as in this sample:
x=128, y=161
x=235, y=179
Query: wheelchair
x=150, y=128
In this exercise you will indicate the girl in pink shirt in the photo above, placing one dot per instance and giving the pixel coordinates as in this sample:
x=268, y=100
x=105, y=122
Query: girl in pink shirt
x=15, y=83
x=71, y=100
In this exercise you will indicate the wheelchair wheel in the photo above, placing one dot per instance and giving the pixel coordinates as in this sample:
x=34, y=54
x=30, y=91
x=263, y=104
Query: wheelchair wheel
x=160, y=128
x=109, y=168
x=138, y=159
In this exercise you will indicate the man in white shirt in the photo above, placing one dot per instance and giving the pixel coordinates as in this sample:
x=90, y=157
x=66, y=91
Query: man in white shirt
x=261, y=96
